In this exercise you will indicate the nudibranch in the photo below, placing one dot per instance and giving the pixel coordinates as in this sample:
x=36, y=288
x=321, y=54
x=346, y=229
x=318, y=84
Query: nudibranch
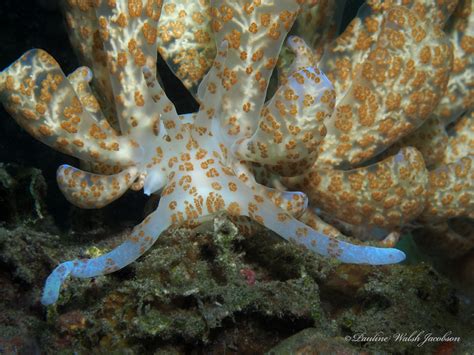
x=199, y=163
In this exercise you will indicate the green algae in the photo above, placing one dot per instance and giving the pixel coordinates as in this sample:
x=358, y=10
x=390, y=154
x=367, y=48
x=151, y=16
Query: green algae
x=190, y=285
x=213, y=288
x=400, y=301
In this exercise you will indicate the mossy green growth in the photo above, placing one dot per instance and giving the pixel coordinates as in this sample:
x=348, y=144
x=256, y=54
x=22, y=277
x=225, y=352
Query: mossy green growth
x=194, y=286
x=27, y=252
x=94, y=252
x=401, y=300
x=191, y=284
x=155, y=323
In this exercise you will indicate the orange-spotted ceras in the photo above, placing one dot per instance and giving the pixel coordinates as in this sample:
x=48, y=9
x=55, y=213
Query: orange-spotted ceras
x=196, y=161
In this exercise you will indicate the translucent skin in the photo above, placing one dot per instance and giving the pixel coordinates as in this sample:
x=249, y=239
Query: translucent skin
x=196, y=162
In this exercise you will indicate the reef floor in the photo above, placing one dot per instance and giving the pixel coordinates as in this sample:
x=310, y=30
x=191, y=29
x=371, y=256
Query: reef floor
x=210, y=290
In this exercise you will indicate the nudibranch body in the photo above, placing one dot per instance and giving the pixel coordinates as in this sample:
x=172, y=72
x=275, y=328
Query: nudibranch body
x=199, y=163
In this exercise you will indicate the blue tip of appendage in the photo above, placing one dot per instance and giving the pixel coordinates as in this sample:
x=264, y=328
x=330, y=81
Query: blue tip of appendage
x=54, y=282
x=385, y=256
x=356, y=254
x=399, y=256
